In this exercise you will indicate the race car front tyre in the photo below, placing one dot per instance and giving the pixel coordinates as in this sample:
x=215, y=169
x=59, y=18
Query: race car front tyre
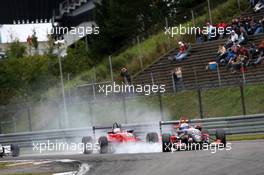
x=221, y=135
x=103, y=143
x=166, y=143
x=15, y=150
x=152, y=137
x=87, y=145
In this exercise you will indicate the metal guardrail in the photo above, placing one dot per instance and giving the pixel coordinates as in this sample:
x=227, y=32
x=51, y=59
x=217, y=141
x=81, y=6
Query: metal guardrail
x=232, y=125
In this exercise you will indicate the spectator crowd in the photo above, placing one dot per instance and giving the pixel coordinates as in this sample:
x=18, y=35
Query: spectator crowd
x=234, y=54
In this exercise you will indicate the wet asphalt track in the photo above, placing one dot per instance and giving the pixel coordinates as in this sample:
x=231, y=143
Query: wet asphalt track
x=245, y=158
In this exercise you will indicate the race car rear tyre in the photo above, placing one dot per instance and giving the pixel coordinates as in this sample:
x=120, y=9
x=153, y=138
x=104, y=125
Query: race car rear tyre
x=221, y=135
x=87, y=145
x=15, y=150
x=152, y=137
x=166, y=143
x=103, y=143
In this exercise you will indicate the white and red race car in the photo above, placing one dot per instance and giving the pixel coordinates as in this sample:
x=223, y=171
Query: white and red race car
x=9, y=150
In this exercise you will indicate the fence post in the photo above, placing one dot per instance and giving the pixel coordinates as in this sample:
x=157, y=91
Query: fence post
x=244, y=76
x=111, y=69
x=60, y=117
x=167, y=26
x=69, y=91
x=243, y=99
x=91, y=112
x=193, y=23
x=238, y=5
x=124, y=107
x=1, y=128
x=14, y=124
x=139, y=53
x=173, y=83
x=210, y=13
x=152, y=78
x=161, y=108
x=29, y=117
x=219, y=76
x=200, y=102
x=66, y=117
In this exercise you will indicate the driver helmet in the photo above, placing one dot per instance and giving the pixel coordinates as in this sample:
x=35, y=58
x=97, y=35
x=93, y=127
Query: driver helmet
x=184, y=126
x=116, y=130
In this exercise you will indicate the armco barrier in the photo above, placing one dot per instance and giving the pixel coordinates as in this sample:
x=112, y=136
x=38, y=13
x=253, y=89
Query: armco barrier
x=232, y=125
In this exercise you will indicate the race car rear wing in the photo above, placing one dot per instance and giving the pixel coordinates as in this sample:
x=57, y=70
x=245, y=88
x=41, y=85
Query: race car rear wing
x=100, y=128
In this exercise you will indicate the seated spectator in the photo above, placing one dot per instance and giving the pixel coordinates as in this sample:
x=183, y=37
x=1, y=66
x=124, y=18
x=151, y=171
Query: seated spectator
x=252, y=27
x=221, y=54
x=125, y=75
x=198, y=36
x=230, y=54
x=253, y=51
x=261, y=53
x=182, y=53
x=258, y=28
x=232, y=39
x=243, y=37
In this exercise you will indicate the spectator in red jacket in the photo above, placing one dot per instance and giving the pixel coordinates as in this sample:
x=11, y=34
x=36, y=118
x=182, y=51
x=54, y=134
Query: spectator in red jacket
x=221, y=28
x=182, y=52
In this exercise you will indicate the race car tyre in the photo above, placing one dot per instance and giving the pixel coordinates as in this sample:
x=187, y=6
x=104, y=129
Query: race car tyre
x=152, y=137
x=221, y=135
x=103, y=143
x=3, y=152
x=87, y=145
x=166, y=143
x=15, y=150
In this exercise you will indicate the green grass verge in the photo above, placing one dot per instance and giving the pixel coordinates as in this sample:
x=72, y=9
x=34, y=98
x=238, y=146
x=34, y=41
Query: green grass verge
x=3, y=165
x=245, y=137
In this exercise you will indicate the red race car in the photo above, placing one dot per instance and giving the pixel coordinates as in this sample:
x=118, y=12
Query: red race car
x=116, y=136
x=185, y=136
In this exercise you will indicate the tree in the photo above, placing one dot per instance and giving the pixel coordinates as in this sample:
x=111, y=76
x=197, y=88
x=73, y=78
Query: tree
x=50, y=45
x=77, y=59
x=16, y=50
x=120, y=21
x=34, y=40
x=117, y=20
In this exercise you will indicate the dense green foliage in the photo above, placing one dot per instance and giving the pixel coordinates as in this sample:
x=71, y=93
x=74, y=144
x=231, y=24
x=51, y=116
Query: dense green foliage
x=16, y=50
x=26, y=77
x=121, y=21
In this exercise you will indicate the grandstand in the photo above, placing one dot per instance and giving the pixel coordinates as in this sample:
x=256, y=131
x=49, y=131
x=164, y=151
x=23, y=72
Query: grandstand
x=194, y=72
